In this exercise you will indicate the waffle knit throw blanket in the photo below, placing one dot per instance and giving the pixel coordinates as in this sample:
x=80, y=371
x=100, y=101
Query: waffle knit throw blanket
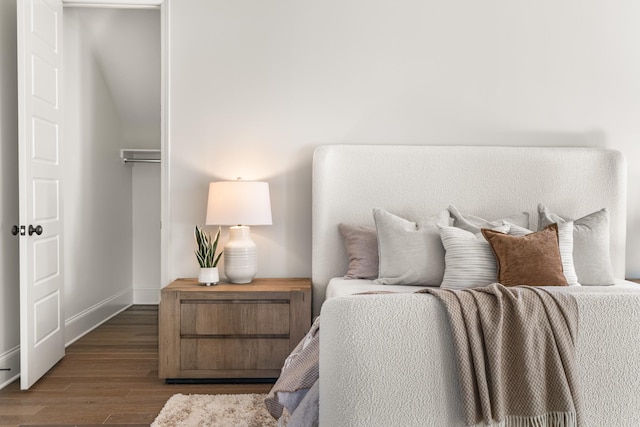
x=515, y=350
x=297, y=379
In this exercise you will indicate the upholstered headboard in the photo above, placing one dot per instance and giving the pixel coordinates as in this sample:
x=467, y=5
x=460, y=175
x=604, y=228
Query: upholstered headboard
x=492, y=182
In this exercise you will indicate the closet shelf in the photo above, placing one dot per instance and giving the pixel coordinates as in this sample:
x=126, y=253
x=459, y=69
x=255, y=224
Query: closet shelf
x=140, y=155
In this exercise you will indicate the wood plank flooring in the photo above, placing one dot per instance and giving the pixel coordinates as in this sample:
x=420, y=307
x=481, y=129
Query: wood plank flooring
x=108, y=377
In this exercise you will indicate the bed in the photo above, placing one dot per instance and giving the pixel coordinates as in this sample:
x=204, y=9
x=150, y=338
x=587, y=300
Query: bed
x=388, y=359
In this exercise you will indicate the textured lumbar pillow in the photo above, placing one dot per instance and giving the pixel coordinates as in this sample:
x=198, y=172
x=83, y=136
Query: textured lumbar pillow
x=532, y=259
x=361, y=245
x=474, y=223
x=591, y=256
x=410, y=253
x=468, y=258
x=565, y=241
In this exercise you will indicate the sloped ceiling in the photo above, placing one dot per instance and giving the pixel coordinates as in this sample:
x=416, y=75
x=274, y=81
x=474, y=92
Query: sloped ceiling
x=126, y=46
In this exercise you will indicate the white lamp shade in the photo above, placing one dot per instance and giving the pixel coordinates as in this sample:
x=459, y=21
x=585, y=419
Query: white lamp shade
x=239, y=203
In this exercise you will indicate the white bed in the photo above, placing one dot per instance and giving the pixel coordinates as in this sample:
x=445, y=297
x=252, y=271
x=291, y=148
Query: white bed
x=388, y=359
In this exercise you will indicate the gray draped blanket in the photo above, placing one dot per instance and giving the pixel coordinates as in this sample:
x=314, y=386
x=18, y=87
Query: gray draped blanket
x=297, y=388
x=515, y=350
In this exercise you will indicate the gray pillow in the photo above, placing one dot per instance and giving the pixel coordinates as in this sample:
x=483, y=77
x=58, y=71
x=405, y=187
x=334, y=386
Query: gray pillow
x=469, y=260
x=361, y=245
x=474, y=223
x=410, y=253
x=591, y=256
x=565, y=242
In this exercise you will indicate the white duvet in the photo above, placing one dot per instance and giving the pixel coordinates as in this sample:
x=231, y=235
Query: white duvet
x=388, y=359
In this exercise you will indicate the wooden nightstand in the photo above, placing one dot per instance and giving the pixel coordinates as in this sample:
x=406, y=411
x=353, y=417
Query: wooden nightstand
x=228, y=331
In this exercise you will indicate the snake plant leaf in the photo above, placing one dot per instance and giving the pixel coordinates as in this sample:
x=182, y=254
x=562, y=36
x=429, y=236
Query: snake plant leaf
x=207, y=247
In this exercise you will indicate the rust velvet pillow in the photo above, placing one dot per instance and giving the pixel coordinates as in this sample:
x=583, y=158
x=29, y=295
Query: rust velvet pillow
x=533, y=259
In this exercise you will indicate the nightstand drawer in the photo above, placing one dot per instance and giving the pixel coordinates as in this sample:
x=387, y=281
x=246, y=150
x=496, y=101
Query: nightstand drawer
x=233, y=354
x=224, y=317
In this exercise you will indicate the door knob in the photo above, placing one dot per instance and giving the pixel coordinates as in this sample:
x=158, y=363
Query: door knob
x=37, y=229
x=15, y=230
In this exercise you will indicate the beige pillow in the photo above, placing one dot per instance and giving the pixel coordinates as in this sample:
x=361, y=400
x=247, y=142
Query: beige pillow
x=361, y=244
x=532, y=259
x=591, y=256
x=410, y=253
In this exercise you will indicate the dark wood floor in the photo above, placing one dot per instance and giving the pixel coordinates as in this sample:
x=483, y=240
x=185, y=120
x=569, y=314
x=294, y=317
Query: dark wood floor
x=110, y=376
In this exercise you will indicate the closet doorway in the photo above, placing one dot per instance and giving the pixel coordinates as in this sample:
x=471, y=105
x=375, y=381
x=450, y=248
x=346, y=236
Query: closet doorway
x=106, y=94
x=112, y=73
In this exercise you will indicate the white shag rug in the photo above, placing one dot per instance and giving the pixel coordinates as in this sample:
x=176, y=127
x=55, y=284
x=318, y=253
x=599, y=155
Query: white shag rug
x=237, y=410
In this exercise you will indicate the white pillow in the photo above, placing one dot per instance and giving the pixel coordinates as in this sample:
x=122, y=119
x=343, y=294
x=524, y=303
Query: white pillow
x=474, y=224
x=469, y=260
x=565, y=241
x=591, y=256
x=409, y=253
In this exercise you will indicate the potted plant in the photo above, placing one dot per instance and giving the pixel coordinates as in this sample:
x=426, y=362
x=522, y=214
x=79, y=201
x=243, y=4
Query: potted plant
x=206, y=256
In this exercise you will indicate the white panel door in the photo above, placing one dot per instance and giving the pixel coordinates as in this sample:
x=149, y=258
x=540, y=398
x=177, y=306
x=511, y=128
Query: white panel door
x=40, y=131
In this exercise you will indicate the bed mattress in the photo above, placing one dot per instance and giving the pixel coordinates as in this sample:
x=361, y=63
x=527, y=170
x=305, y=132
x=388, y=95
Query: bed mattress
x=339, y=286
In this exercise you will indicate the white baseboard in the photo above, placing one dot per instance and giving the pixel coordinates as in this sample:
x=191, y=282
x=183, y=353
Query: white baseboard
x=146, y=295
x=81, y=324
x=9, y=360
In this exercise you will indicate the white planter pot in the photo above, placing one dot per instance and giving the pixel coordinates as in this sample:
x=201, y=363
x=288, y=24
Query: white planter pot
x=209, y=276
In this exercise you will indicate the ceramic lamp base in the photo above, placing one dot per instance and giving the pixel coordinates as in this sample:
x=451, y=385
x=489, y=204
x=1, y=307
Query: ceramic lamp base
x=240, y=255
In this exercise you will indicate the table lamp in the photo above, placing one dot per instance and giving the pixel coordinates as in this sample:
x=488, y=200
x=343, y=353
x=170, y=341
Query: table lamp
x=239, y=204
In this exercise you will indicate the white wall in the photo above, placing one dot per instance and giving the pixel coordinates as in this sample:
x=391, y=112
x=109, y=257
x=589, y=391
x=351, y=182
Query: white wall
x=126, y=44
x=98, y=192
x=124, y=47
x=9, y=245
x=256, y=86
x=146, y=232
